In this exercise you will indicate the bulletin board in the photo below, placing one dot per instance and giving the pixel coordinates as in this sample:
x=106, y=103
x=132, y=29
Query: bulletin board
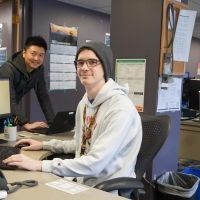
x=178, y=66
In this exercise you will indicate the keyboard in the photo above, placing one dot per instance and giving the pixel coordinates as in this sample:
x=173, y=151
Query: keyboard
x=40, y=130
x=5, y=152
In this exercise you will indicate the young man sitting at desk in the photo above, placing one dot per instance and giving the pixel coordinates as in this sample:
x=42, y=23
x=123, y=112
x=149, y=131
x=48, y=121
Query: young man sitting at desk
x=26, y=71
x=108, y=130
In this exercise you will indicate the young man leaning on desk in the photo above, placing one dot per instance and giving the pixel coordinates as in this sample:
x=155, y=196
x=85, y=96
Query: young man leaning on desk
x=25, y=71
x=108, y=127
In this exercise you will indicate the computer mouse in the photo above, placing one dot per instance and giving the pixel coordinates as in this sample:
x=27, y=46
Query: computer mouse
x=22, y=145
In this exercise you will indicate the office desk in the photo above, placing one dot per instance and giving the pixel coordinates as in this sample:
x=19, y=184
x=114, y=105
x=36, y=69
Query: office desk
x=44, y=192
x=39, y=155
x=190, y=140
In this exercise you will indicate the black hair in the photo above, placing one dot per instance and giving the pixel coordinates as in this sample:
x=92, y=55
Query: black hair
x=36, y=41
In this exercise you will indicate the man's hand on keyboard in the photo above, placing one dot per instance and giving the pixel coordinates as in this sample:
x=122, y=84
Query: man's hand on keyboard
x=23, y=162
x=30, y=144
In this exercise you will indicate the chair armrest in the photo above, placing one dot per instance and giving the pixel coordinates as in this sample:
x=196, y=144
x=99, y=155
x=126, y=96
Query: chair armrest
x=120, y=183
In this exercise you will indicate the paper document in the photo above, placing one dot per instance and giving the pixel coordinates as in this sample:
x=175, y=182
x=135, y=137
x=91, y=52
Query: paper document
x=131, y=74
x=169, y=95
x=183, y=35
x=67, y=186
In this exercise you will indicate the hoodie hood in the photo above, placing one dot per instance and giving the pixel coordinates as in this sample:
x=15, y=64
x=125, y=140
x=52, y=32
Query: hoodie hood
x=104, y=54
x=110, y=89
x=18, y=62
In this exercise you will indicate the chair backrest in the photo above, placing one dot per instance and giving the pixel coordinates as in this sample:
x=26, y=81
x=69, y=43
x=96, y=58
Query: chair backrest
x=155, y=132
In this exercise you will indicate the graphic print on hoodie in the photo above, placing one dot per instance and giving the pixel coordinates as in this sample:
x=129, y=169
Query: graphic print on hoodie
x=88, y=128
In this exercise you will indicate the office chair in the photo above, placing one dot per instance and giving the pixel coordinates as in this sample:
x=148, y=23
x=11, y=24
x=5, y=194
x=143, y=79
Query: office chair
x=155, y=132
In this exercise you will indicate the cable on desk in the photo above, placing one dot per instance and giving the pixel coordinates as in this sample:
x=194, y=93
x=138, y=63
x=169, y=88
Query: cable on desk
x=18, y=184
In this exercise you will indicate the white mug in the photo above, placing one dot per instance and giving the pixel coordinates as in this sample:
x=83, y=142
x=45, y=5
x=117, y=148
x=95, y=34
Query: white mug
x=11, y=133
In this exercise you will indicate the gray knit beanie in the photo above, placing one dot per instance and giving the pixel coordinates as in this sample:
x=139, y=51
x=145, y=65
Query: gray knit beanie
x=104, y=54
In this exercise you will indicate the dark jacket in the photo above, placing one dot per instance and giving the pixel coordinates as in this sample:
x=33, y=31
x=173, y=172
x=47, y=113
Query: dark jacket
x=22, y=82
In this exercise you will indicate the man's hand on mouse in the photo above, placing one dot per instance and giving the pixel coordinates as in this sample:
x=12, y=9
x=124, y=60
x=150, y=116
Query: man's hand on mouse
x=22, y=161
x=30, y=144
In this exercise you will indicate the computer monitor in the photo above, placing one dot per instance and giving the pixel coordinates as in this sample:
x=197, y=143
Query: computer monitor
x=194, y=88
x=5, y=108
x=185, y=91
x=4, y=98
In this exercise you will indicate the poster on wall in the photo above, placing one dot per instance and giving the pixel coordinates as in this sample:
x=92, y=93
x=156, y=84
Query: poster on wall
x=3, y=55
x=131, y=74
x=107, y=39
x=198, y=68
x=1, y=33
x=63, y=47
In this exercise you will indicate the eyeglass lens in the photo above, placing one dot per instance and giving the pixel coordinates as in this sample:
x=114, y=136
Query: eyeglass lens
x=89, y=62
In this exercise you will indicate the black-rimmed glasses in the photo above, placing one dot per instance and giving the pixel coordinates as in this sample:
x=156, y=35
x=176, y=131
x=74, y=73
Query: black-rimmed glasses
x=90, y=63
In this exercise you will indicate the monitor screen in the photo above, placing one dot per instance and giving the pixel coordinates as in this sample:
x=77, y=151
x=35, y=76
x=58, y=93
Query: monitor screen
x=194, y=88
x=4, y=98
x=185, y=92
x=186, y=75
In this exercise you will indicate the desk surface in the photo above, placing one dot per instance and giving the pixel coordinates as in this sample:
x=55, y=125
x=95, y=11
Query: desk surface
x=190, y=125
x=42, y=191
x=189, y=140
x=194, y=122
x=39, y=155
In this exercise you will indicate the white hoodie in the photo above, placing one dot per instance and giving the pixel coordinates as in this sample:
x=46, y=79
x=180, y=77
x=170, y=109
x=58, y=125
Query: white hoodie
x=115, y=141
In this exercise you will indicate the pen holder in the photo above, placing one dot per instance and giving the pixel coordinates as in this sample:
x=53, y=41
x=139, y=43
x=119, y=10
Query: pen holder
x=10, y=133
